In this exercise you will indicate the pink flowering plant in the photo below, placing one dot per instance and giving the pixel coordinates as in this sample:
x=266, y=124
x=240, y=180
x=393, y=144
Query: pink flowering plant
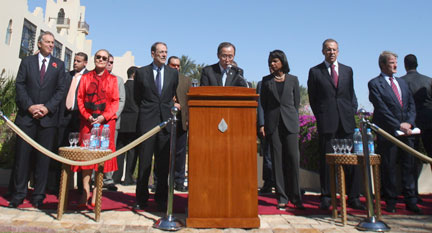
x=308, y=143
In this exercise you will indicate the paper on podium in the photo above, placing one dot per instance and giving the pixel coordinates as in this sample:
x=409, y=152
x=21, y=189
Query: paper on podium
x=414, y=131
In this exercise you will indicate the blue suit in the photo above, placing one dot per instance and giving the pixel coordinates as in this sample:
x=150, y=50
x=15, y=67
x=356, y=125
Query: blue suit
x=389, y=114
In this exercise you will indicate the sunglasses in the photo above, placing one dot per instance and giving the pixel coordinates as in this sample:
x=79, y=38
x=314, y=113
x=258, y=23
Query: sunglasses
x=101, y=57
x=111, y=62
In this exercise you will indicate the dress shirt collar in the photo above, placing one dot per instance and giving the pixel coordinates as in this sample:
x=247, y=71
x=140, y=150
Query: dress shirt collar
x=41, y=57
x=328, y=65
x=221, y=68
x=387, y=79
x=155, y=67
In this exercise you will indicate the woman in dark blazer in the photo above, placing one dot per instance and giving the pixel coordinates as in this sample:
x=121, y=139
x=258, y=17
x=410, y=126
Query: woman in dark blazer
x=280, y=99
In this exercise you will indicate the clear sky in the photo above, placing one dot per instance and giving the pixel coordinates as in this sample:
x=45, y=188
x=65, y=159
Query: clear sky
x=195, y=28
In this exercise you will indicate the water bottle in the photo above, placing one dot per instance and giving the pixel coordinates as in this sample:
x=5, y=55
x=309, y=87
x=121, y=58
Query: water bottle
x=194, y=82
x=94, y=137
x=105, y=137
x=370, y=138
x=358, y=144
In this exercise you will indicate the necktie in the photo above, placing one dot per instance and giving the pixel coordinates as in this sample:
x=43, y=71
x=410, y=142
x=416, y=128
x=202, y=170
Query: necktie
x=395, y=90
x=334, y=75
x=70, y=99
x=42, y=70
x=158, y=81
x=224, y=76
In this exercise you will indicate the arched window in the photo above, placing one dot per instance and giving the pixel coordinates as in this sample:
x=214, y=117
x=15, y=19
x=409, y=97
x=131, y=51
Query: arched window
x=9, y=33
x=61, y=16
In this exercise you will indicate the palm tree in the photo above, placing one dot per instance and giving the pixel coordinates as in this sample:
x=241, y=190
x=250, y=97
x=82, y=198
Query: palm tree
x=187, y=66
x=189, y=69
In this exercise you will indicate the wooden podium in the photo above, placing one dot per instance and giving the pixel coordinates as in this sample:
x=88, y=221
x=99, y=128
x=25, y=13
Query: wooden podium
x=222, y=173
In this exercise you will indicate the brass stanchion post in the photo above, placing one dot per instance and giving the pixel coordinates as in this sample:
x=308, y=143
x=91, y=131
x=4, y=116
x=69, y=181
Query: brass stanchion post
x=371, y=223
x=169, y=222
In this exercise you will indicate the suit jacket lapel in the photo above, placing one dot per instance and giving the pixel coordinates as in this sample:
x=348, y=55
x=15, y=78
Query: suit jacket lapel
x=166, y=79
x=272, y=85
x=229, y=77
x=49, y=70
x=326, y=74
x=218, y=74
x=151, y=79
x=35, y=69
x=387, y=88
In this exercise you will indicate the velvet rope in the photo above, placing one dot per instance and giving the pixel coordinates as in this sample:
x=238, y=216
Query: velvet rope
x=54, y=156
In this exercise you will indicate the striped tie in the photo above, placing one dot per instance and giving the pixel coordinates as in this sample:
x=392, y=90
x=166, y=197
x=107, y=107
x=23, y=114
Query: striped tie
x=395, y=90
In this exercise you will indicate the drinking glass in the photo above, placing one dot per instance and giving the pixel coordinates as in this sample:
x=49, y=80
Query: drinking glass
x=86, y=140
x=71, y=139
x=76, y=138
x=334, y=143
x=349, y=145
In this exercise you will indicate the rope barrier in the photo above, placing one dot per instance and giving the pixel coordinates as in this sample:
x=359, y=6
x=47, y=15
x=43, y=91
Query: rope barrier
x=400, y=144
x=54, y=156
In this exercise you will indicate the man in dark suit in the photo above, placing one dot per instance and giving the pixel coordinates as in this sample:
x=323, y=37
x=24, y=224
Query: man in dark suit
x=267, y=171
x=394, y=109
x=154, y=91
x=420, y=87
x=40, y=87
x=127, y=132
x=69, y=117
x=223, y=73
x=334, y=104
x=182, y=126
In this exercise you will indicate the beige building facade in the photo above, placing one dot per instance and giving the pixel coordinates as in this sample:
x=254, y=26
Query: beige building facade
x=20, y=28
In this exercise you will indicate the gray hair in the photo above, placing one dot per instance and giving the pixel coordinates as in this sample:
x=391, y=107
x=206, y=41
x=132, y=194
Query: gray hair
x=44, y=34
x=384, y=56
x=328, y=41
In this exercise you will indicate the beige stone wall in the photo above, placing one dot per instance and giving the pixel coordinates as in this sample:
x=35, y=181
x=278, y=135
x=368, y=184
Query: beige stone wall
x=71, y=37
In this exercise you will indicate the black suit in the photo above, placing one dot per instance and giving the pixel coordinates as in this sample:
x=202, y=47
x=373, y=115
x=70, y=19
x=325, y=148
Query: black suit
x=267, y=171
x=154, y=109
x=127, y=133
x=69, y=121
x=212, y=76
x=281, y=125
x=334, y=109
x=388, y=114
x=30, y=91
x=421, y=89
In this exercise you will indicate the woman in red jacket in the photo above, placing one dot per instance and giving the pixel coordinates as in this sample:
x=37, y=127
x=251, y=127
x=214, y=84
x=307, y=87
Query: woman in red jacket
x=98, y=101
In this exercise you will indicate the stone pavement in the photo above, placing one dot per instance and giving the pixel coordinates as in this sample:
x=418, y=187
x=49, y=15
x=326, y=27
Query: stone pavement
x=34, y=220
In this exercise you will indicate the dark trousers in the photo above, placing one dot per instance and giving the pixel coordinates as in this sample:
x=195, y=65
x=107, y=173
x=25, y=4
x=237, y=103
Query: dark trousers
x=285, y=160
x=426, y=137
x=353, y=174
x=390, y=156
x=131, y=158
x=267, y=171
x=159, y=146
x=25, y=158
x=73, y=125
x=180, y=156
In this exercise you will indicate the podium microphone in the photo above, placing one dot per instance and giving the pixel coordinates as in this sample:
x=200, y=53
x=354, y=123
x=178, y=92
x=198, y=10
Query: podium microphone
x=239, y=73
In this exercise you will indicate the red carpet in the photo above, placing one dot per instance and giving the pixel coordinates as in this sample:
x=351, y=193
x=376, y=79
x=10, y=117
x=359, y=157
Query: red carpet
x=266, y=204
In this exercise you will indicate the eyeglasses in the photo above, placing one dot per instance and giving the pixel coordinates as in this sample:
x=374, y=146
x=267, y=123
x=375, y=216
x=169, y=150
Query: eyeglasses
x=101, y=57
x=225, y=56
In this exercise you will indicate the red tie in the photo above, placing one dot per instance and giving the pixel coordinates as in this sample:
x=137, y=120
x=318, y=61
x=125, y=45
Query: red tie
x=395, y=90
x=42, y=70
x=334, y=75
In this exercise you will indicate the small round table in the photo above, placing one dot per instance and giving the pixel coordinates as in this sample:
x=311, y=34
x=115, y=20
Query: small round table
x=335, y=161
x=80, y=154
